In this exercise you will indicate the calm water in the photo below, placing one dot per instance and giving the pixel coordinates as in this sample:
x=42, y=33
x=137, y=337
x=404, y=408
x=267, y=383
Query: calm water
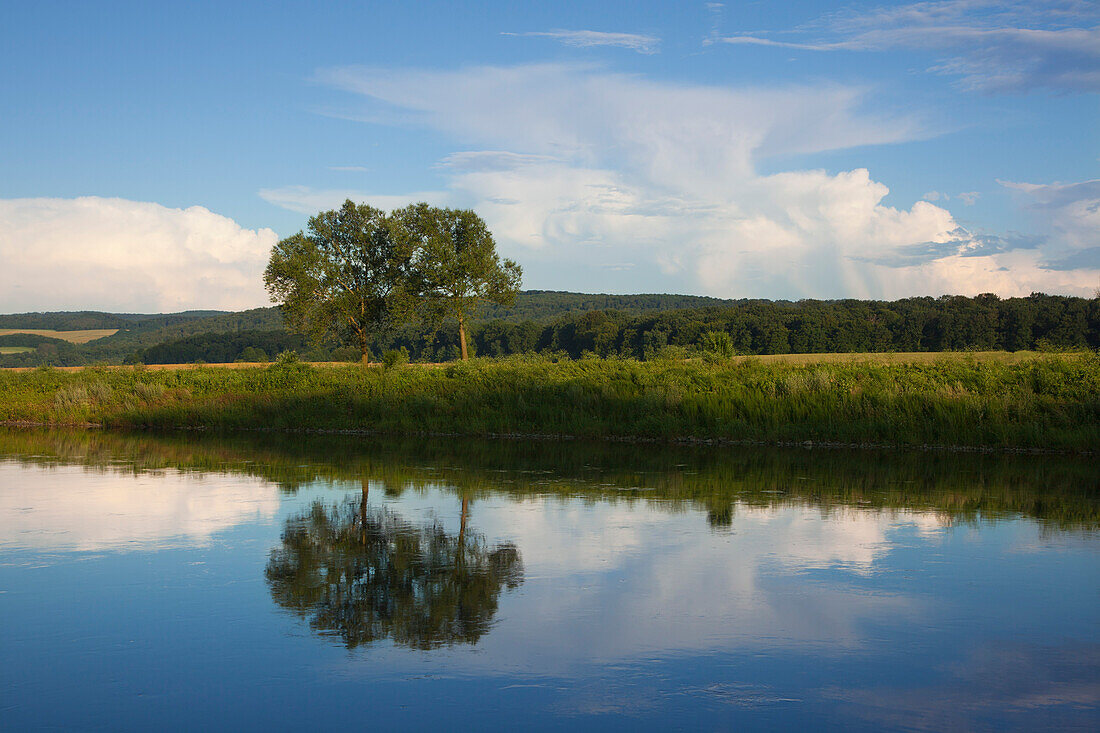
x=184, y=582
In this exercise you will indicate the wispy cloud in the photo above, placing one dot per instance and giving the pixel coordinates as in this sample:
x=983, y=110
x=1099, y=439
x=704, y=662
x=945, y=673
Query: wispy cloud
x=572, y=164
x=990, y=46
x=1071, y=213
x=584, y=39
x=307, y=200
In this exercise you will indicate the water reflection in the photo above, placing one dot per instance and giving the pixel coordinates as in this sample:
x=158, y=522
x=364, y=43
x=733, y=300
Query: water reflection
x=68, y=508
x=1063, y=491
x=659, y=587
x=365, y=574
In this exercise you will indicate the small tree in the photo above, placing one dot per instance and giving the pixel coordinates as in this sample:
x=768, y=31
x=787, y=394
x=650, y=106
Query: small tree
x=347, y=279
x=455, y=263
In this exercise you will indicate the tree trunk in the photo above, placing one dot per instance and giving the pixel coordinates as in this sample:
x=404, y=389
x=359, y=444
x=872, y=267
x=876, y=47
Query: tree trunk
x=462, y=337
x=366, y=354
x=460, y=556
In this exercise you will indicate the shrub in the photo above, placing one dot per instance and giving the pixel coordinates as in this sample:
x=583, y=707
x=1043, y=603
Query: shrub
x=393, y=358
x=286, y=358
x=717, y=343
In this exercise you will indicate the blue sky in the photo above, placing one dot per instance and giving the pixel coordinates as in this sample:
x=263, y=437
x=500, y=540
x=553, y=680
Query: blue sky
x=153, y=152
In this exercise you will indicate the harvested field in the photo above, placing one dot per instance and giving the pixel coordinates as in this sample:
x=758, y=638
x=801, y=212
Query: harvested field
x=910, y=357
x=915, y=357
x=75, y=337
x=15, y=349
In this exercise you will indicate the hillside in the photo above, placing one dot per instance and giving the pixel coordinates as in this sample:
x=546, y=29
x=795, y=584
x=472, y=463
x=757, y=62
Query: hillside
x=138, y=332
x=637, y=326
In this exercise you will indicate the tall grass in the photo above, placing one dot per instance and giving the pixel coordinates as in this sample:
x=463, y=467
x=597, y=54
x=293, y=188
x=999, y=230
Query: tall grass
x=1049, y=402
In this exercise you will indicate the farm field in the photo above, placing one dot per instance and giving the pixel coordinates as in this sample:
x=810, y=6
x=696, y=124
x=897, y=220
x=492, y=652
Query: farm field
x=909, y=357
x=15, y=349
x=914, y=357
x=74, y=337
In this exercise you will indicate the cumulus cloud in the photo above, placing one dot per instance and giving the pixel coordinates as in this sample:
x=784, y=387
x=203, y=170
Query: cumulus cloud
x=659, y=183
x=990, y=46
x=119, y=255
x=633, y=41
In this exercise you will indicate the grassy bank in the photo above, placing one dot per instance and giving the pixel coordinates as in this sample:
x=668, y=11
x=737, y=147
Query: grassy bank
x=1048, y=402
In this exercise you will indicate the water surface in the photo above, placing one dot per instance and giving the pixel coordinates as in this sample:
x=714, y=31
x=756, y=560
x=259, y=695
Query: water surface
x=176, y=581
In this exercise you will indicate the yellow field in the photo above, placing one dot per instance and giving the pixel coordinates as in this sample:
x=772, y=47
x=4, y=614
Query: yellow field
x=914, y=357
x=75, y=337
x=15, y=349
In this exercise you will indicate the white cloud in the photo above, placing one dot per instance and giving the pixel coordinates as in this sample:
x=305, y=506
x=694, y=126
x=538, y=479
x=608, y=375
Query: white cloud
x=1070, y=212
x=584, y=39
x=306, y=200
x=969, y=197
x=992, y=46
x=574, y=164
x=120, y=255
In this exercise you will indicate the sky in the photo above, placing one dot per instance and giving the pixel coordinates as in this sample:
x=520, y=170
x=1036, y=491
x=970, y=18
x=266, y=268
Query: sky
x=151, y=154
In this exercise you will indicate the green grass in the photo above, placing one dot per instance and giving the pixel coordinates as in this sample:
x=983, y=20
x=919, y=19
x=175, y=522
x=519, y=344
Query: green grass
x=16, y=349
x=1046, y=402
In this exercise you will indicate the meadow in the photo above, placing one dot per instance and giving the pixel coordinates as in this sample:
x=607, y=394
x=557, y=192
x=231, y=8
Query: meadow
x=1047, y=402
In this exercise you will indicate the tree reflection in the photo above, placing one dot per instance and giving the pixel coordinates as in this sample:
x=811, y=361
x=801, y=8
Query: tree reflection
x=364, y=574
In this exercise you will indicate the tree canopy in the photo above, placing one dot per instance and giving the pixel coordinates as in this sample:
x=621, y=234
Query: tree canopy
x=359, y=272
x=347, y=278
x=457, y=264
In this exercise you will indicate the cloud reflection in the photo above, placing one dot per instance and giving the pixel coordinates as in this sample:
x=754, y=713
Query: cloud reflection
x=69, y=508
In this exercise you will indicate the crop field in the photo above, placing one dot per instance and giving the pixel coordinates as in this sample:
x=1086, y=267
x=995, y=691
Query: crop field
x=75, y=337
x=909, y=357
x=883, y=358
x=15, y=349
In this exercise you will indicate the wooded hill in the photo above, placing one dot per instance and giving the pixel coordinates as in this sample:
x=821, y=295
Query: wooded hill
x=572, y=324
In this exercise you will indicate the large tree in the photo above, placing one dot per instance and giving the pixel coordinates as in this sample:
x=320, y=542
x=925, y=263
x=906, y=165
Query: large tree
x=456, y=264
x=348, y=277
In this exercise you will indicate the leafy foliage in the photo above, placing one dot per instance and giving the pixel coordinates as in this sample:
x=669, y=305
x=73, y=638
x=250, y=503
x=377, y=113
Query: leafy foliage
x=457, y=268
x=347, y=279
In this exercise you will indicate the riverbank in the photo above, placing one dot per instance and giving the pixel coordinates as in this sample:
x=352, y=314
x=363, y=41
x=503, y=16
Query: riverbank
x=1038, y=402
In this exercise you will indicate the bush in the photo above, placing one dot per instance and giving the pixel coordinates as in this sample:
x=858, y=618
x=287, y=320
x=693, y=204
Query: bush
x=255, y=355
x=287, y=358
x=717, y=343
x=392, y=358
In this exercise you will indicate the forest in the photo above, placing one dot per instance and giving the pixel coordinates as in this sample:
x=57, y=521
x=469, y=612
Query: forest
x=575, y=324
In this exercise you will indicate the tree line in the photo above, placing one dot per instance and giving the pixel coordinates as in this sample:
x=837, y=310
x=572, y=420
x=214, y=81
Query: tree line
x=948, y=323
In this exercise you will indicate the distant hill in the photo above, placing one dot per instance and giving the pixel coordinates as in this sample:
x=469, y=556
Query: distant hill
x=548, y=305
x=140, y=331
x=89, y=320
x=577, y=323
